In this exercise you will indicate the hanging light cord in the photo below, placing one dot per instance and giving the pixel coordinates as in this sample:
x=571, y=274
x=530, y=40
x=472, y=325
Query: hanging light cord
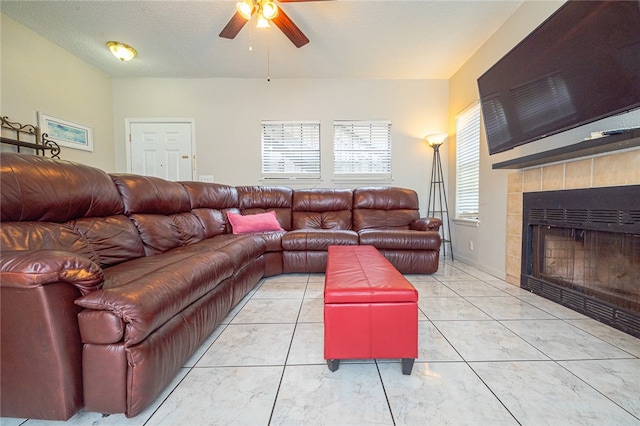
x=268, y=51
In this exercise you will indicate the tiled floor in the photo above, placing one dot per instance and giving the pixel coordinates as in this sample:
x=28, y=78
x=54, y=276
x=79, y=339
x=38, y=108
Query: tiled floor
x=490, y=354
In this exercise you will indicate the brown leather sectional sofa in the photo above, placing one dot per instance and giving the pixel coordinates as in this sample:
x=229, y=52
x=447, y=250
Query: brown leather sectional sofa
x=109, y=283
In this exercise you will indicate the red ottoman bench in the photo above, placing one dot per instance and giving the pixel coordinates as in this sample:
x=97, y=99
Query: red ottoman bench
x=370, y=309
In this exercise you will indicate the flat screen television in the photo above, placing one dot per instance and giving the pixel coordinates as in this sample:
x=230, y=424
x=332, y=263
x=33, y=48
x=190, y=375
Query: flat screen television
x=580, y=65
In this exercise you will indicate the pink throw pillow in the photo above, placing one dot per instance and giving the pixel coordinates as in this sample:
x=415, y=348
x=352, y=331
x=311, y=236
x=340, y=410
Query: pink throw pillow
x=260, y=222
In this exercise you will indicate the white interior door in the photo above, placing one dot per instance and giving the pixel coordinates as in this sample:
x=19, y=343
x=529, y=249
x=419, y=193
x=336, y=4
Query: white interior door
x=162, y=149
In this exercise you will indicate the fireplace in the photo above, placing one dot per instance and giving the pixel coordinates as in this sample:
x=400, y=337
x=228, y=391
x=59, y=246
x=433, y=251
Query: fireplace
x=581, y=248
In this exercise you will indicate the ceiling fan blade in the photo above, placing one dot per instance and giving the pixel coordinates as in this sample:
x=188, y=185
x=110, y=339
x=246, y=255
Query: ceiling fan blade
x=290, y=29
x=234, y=26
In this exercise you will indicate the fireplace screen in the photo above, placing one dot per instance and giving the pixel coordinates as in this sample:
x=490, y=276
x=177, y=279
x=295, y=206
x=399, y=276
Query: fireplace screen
x=604, y=265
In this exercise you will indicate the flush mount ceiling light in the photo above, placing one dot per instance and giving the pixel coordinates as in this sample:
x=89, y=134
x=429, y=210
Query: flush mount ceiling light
x=122, y=51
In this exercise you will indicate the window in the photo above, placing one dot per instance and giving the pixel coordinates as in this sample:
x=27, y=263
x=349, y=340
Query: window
x=362, y=149
x=468, y=162
x=291, y=149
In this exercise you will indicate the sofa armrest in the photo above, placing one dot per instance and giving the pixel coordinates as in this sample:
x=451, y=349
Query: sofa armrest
x=34, y=268
x=426, y=224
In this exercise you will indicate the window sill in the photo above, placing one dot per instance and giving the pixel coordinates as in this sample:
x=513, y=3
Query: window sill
x=284, y=178
x=362, y=180
x=471, y=223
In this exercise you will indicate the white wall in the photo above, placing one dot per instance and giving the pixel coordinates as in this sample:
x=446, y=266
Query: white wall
x=228, y=114
x=490, y=234
x=489, y=237
x=37, y=75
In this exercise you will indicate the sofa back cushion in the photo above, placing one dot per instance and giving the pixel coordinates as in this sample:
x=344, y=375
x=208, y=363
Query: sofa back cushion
x=322, y=209
x=59, y=205
x=210, y=202
x=113, y=239
x=34, y=188
x=261, y=199
x=384, y=208
x=160, y=210
x=43, y=236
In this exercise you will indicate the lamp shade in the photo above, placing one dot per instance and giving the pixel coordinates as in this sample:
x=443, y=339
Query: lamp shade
x=269, y=10
x=122, y=51
x=262, y=21
x=435, y=139
x=245, y=8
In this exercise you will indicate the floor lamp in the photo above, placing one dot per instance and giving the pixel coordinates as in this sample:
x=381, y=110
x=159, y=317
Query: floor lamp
x=437, y=203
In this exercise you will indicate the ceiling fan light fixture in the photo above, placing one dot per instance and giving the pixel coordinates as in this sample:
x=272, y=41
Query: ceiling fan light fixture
x=269, y=10
x=122, y=51
x=262, y=21
x=245, y=8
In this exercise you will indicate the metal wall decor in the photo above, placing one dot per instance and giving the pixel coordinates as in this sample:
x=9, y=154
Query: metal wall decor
x=28, y=136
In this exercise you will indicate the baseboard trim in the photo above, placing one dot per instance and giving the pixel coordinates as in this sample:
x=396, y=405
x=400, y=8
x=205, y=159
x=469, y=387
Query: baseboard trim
x=501, y=275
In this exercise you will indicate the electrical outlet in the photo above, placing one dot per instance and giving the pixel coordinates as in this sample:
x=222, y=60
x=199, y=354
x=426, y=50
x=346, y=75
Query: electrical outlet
x=205, y=178
x=471, y=245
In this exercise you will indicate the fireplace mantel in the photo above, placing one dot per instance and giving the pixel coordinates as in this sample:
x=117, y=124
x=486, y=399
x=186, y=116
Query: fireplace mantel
x=611, y=143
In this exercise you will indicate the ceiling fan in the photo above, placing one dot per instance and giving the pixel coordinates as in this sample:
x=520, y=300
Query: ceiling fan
x=267, y=11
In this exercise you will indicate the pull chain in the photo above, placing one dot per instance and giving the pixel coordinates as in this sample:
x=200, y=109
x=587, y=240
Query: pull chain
x=251, y=35
x=268, y=52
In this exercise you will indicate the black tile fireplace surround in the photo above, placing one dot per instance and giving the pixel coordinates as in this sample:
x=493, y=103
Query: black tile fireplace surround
x=581, y=249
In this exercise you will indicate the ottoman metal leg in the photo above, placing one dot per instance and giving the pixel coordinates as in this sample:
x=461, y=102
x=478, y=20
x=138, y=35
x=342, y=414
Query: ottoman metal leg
x=407, y=366
x=333, y=364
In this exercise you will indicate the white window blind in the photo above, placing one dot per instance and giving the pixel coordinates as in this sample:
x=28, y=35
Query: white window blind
x=291, y=149
x=362, y=149
x=468, y=162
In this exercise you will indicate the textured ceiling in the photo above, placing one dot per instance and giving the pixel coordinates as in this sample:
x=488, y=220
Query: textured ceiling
x=348, y=39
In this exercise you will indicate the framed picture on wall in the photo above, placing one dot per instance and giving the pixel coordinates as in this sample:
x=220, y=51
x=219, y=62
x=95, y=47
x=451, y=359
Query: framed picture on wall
x=66, y=133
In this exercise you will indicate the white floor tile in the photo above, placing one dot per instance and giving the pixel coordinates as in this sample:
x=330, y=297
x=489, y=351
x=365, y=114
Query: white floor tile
x=562, y=341
x=622, y=340
x=221, y=396
x=433, y=289
x=249, y=344
x=506, y=308
x=272, y=311
x=307, y=346
x=280, y=290
x=312, y=311
x=487, y=341
x=238, y=375
x=450, y=308
x=441, y=394
x=544, y=393
x=474, y=289
x=352, y=395
x=551, y=307
x=315, y=290
x=618, y=379
x=432, y=345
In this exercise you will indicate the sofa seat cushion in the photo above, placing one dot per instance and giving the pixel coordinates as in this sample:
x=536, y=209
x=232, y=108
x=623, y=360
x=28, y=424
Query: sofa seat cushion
x=317, y=239
x=157, y=288
x=400, y=239
x=273, y=240
x=242, y=249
